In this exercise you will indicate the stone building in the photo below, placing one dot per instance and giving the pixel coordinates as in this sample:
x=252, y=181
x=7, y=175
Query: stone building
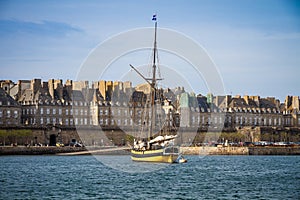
x=117, y=105
x=232, y=112
x=10, y=110
x=291, y=111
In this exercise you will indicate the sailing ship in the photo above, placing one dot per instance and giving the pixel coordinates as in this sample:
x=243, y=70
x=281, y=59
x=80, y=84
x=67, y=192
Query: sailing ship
x=160, y=148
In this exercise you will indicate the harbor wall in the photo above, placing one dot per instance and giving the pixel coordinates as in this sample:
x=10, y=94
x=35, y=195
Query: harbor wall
x=201, y=151
x=38, y=150
x=204, y=150
x=269, y=150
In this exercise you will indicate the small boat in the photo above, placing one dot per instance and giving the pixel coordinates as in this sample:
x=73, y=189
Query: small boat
x=160, y=148
x=181, y=159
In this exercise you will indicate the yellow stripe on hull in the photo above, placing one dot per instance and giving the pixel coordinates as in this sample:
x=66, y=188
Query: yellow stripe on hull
x=153, y=156
x=162, y=159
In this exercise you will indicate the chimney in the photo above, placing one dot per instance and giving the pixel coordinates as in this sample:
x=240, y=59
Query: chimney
x=287, y=102
x=68, y=87
x=295, y=102
x=58, y=87
x=36, y=84
x=228, y=100
x=246, y=98
x=51, y=87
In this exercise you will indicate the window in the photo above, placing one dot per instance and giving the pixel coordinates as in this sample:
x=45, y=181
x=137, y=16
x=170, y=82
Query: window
x=48, y=111
x=67, y=121
x=42, y=120
x=42, y=111
x=8, y=113
x=85, y=121
x=1, y=113
x=71, y=121
x=59, y=111
x=16, y=113
x=67, y=111
x=54, y=111
x=48, y=120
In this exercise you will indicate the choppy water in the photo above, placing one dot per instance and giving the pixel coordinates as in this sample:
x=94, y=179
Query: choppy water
x=211, y=177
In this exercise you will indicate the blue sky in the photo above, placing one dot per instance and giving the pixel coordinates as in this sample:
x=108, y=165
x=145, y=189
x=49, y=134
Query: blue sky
x=254, y=44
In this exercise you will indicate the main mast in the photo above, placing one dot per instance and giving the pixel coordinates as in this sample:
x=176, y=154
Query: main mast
x=153, y=82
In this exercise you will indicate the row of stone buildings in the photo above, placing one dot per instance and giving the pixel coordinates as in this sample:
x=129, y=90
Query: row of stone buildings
x=118, y=105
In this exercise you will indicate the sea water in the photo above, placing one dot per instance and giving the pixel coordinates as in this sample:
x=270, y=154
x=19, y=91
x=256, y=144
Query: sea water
x=210, y=177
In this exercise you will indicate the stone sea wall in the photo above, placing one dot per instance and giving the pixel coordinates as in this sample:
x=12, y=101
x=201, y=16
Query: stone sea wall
x=38, y=150
x=202, y=151
x=240, y=150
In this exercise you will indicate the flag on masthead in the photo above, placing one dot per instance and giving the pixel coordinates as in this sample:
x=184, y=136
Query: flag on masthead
x=154, y=17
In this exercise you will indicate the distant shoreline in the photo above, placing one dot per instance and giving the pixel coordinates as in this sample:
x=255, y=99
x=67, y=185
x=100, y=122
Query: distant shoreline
x=204, y=150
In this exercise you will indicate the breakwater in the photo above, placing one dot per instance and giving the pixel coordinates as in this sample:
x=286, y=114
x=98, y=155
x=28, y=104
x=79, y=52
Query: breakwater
x=267, y=150
x=20, y=150
x=204, y=150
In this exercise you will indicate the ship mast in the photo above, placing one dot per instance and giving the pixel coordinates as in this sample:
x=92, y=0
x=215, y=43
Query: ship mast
x=152, y=82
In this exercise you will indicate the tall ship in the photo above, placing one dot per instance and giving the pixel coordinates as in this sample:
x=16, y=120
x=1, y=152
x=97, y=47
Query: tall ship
x=158, y=146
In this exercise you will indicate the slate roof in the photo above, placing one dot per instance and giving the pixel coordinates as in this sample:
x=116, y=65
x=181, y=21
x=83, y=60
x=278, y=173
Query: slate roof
x=5, y=98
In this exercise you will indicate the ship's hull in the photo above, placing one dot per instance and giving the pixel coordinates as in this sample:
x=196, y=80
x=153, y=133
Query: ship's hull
x=159, y=155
